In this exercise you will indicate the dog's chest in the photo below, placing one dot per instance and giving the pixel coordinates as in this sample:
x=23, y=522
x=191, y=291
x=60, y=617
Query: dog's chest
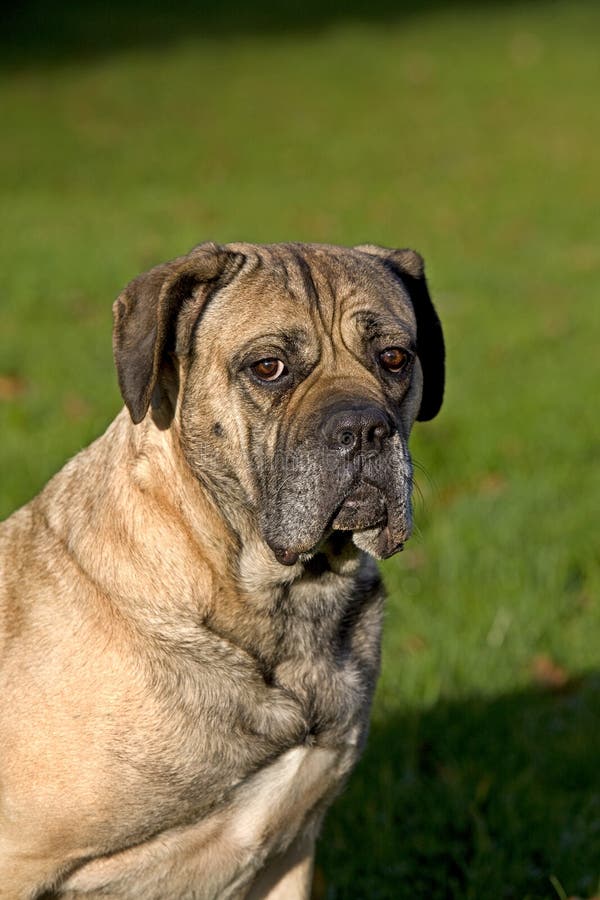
x=219, y=856
x=250, y=769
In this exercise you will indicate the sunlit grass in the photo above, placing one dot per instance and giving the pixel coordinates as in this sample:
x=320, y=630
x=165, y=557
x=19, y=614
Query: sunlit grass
x=472, y=134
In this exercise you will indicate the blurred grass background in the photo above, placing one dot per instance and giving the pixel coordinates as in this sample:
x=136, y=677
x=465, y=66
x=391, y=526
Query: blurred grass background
x=469, y=131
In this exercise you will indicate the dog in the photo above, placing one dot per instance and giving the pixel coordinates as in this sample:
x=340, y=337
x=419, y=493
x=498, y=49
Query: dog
x=190, y=611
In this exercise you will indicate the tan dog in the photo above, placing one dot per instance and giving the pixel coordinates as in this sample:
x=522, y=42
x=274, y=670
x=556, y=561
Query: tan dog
x=189, y=622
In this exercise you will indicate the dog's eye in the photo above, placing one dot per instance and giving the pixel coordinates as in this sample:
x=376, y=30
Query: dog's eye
x=269, y=369
x=393, y=359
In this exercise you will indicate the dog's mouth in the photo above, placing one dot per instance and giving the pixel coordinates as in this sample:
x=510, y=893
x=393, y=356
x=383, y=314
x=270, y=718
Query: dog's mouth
x=365, y=513
x=365, y=507
x=363, y=517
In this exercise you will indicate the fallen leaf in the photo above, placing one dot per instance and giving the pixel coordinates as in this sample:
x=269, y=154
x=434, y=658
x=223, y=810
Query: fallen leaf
x=11, y=386
x=414, y=643
x=75, y=407
x=548, y=673
x=492, y=483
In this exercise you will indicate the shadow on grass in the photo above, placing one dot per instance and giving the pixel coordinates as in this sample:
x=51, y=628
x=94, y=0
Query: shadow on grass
x=483, y=798
x=43, y=32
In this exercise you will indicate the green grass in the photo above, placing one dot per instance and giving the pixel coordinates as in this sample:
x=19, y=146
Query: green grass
x=470, y=132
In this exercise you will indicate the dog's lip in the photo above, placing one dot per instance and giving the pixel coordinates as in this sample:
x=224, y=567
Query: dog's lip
x=388, y=545
x=365, y=507
x=285, y=556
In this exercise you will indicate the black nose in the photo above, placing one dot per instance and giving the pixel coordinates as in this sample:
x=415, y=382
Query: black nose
x=357, y=429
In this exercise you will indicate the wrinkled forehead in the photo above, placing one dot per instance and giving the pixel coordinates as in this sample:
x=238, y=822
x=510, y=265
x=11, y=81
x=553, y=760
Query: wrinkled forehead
x=285, y=286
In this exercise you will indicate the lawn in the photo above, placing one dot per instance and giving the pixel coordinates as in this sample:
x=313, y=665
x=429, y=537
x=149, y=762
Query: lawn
x=469, y=131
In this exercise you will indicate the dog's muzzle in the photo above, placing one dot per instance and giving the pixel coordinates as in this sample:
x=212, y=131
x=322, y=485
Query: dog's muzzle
x=352, y=474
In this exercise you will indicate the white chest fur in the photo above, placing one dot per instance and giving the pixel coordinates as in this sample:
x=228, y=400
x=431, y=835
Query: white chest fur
x=219, y=856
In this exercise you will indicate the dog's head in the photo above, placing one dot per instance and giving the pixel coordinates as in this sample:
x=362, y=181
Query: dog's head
x=293, y=374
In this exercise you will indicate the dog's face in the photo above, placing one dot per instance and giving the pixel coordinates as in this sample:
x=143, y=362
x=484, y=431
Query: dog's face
x=294, y=374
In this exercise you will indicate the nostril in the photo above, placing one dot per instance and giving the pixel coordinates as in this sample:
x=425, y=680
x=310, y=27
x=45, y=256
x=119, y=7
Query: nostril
x=375, y=435
x=356, y=429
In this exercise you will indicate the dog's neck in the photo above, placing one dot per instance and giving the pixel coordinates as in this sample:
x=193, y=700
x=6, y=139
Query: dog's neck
x=178, y=562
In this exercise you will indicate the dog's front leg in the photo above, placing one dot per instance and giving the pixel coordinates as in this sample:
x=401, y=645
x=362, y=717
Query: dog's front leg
x=287, y=876
x=23, y=875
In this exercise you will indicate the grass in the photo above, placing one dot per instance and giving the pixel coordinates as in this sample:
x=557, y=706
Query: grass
x=471, y=133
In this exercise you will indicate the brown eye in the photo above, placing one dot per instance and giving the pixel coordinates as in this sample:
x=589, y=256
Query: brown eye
x=269, y=369
x=393, y=359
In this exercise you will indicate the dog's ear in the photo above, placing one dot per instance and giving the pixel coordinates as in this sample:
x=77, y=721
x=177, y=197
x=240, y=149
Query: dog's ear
x=408, y=266
x=146, y=317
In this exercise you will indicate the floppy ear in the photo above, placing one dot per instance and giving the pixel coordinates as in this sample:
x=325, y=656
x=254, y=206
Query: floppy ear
x=408, y=266
x=146, y=314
